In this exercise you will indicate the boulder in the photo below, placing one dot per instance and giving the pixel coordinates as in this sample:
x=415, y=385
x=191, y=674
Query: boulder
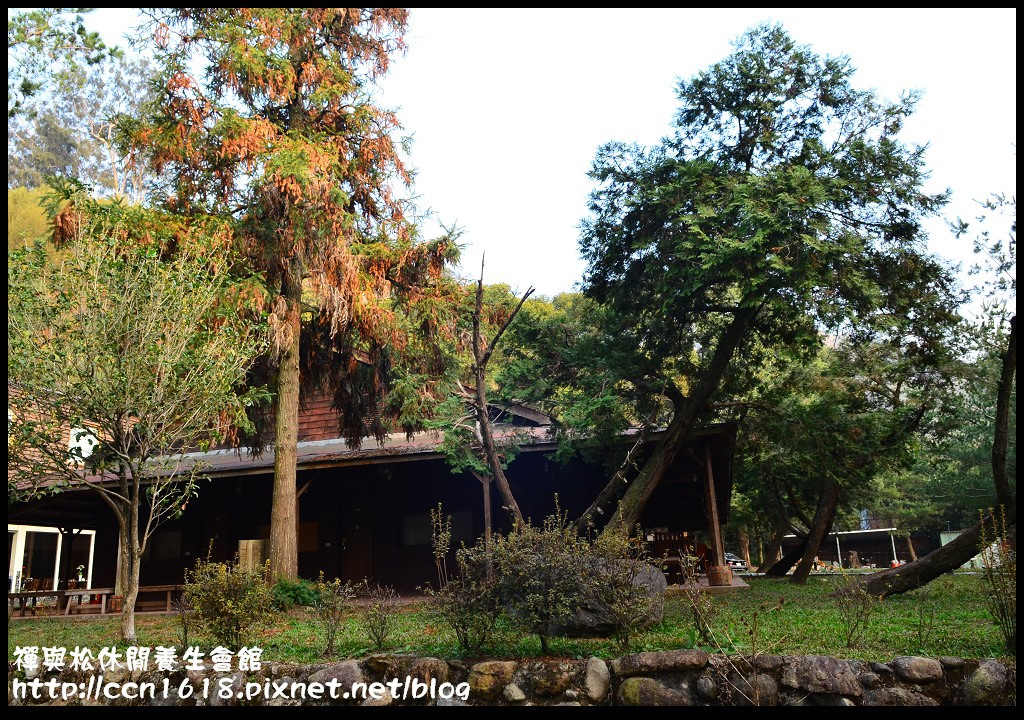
x=487, y=679
x=513, y=693
x=759, y=690
x=821, y=674
x=429, y=668
x=346, y=673
x=654, y=662
x=646, y=691
x=598, y=679
x=551, y=679
x=987, y=685
x=918, y=669
x=896, y=696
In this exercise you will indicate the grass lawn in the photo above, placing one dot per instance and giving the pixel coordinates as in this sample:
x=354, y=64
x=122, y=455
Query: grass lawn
x=807, y=623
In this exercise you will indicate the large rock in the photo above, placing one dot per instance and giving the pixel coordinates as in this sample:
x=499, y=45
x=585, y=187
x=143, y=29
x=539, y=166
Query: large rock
x=487, y=679
x=551, y=679
x=592, y=618
x=918, y=669
x=896, y=696
x=429, y=668
x=653, y=662
x=646, y=691
x=346, y=673
x=987, y=685
x=821, y=674
x=760, y=690
x=599, y=679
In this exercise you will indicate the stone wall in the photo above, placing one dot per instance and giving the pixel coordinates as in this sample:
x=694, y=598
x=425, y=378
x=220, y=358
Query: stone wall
x=675, y=677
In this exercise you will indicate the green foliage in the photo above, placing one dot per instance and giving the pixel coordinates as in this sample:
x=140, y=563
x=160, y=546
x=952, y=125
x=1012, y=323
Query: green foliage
x=230, y=602
x=26, y=221
x=999, y=558
x=540, y=572
x=617, y=560
x=377, y=612
x=330, y=605
x=140, y=355
x=469, y=604
x=289, y=593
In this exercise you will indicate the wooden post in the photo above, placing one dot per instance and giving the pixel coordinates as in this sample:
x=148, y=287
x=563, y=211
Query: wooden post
x=719, y=574
x=715, y=528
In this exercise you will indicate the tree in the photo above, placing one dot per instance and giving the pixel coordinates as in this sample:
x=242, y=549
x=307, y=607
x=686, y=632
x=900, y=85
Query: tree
x=138, y=354
x=79, y=132
x=1000, y=254
x=282, y=139
x=42, y=44
x=784, y=205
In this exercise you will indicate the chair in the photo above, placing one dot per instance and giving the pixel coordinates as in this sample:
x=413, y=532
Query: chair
x=669, y=548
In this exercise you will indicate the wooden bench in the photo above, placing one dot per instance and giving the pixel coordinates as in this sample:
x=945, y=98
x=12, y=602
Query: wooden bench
x=25, y=595
x=69, y=595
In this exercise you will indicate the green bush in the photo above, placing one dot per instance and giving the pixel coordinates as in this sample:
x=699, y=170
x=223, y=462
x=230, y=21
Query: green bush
x=378, y=612
x=229, y=602
x=541, y=574
x=289, y=593
x=470, y=604
x=330, y=606
x=617, y=561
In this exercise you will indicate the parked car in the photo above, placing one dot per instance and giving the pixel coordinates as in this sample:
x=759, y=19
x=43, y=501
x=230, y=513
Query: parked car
x=735, y=561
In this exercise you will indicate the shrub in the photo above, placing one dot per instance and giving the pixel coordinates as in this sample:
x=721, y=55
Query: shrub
x=855, y=606
x=329, y=607
x=229, y=601
x=186, y=620
x=699, y=602
x=617, y=561
x=378, y=612
x=289, y=593
x=469, y=605
x=540, y=574
x=999, y=557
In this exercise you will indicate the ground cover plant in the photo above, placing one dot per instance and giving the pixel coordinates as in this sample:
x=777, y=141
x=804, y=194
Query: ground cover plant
x=807, y=623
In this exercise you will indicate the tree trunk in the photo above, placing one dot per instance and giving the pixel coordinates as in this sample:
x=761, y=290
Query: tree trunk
x=491, y=452
x=954, y=554
x=938, y=562
x=1004, y=394
x=745, y=547
x=131, y=550
x=283, y=551
x=640, y=490
x=788, y=560
x=824, y=515
x=911, y=550
x=771, y=555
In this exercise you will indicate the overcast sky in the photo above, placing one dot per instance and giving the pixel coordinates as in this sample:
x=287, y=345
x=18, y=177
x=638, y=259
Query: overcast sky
x=507, y=108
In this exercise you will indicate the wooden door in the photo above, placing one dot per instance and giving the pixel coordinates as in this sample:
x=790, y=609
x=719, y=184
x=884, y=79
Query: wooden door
x=356, y=541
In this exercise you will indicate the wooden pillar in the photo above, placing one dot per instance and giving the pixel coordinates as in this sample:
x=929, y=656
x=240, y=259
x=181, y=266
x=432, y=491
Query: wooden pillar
x=719, y=572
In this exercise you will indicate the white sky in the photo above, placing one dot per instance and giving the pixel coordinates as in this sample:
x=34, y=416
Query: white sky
x=507, y=108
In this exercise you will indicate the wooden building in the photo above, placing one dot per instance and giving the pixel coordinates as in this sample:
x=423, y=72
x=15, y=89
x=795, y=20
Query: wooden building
x=366, y=512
